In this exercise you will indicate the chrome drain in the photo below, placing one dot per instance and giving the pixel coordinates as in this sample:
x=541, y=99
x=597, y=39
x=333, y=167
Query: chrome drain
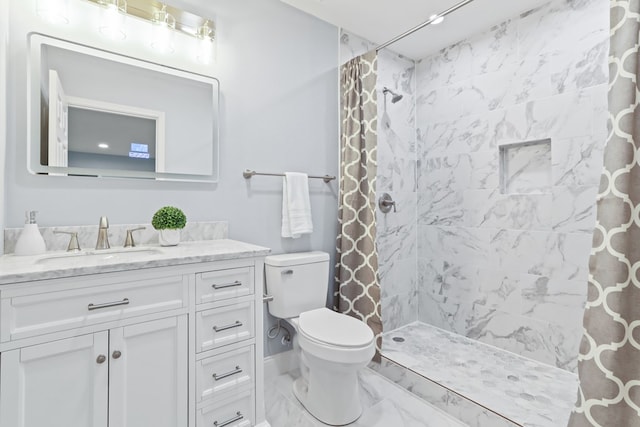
x=398, y=339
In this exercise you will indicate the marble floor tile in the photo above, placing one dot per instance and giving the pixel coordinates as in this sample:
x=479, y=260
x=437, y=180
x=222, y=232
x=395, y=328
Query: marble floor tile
x=384, y=404
x=459, y=407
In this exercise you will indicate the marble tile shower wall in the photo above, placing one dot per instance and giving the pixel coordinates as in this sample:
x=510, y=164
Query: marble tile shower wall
x=510, y=269
x=396, y=240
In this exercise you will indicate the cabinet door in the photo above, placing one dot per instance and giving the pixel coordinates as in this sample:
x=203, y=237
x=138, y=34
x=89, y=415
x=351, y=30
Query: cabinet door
x=148, y=380
x=58, y=384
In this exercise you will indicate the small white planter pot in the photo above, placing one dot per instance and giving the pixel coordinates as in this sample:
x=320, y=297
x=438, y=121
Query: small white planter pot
x=169, y=237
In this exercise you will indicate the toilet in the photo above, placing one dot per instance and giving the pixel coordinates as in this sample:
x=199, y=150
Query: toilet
x=333, y=346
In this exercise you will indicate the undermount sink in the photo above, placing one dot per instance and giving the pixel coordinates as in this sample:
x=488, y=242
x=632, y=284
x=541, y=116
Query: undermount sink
x=99, y=255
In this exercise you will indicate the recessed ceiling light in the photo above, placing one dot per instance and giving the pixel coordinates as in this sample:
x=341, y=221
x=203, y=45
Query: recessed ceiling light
x=103, y=145
x=435, y=19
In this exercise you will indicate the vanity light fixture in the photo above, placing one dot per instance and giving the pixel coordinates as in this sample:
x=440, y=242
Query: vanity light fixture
x=54, y=11
x=112, y=18
x=162, y=33
x=165, y=21
x=204, y=34
x=436, y=19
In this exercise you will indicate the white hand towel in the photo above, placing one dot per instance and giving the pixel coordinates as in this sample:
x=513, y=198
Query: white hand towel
x=296, y=207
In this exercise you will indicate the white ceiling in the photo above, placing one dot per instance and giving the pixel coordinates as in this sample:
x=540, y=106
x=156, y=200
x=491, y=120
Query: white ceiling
x=381, y=20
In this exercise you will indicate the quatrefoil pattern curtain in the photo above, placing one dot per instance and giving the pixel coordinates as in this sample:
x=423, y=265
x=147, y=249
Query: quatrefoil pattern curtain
x=357, y=284
x=609, y=359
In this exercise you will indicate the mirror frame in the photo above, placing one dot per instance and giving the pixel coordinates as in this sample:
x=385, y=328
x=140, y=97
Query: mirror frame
x=34, y=77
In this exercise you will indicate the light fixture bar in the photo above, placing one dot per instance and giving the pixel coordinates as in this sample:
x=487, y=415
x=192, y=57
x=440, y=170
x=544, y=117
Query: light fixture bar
x=424, y=24
x=186, y=22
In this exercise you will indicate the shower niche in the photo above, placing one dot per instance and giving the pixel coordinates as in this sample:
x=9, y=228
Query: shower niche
x=525, y=167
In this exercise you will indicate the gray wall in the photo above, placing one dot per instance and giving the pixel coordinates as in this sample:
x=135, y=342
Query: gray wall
x=278, y=73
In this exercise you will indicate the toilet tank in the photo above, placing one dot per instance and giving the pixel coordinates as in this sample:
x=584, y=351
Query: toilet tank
x=298, y=282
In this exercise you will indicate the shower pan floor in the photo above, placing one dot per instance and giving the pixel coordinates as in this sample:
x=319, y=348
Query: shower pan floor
x=522, y=391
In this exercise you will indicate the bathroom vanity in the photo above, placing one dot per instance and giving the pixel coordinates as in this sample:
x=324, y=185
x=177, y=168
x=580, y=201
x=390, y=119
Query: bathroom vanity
x=163, y=337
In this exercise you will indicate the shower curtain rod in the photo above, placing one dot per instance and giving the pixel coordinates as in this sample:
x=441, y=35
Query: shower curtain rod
x=424, y=24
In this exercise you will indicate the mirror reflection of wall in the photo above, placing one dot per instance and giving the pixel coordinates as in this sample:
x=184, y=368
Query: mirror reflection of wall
x=103, y=112
x=103, y=140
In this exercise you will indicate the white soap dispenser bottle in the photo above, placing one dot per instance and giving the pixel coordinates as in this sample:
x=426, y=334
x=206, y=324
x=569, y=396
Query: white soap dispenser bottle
x=30, y=241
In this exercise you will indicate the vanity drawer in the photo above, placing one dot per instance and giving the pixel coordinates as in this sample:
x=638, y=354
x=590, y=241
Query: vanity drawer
x=225, y=372
x=31, y=315
x=224, y=325
x=223, y=284
x=236, y=410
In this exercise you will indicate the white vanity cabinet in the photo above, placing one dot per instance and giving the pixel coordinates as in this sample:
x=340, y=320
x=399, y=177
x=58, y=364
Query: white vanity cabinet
x=59, y=383
x=148, y=373
x=225, y=347
x=131, y=376
x=169, y=346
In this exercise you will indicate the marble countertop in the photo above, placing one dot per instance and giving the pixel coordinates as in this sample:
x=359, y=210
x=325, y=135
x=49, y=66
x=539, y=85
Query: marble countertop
x=52, y=265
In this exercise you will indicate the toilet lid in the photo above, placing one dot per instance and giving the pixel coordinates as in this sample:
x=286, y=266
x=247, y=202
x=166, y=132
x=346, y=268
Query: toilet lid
x=333, y=328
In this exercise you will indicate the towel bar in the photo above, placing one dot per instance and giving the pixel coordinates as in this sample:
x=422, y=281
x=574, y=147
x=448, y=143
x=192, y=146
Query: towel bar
x=249, y=173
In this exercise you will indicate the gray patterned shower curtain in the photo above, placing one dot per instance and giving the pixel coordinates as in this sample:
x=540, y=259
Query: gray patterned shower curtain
x=357, y=286
x=609, y=359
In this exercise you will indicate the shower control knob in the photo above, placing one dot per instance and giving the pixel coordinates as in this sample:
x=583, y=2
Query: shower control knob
x=385, y=203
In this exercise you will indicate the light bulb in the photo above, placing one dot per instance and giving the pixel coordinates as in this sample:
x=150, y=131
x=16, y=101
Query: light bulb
x=112, y=19
x=162, y=32
x=205, y=49
x=54, y=11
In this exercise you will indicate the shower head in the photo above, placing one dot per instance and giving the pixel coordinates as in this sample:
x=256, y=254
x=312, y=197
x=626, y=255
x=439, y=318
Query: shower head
x=395, y=98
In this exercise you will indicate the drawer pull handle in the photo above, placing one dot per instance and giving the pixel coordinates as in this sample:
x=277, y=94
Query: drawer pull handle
x=238, y=417
x=287, y=272
x=217, y=377
x=227, y=285
x=231, y=326
x=108, y=304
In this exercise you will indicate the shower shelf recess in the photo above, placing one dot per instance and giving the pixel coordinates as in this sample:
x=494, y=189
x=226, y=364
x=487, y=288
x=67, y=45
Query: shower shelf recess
x=525, y=167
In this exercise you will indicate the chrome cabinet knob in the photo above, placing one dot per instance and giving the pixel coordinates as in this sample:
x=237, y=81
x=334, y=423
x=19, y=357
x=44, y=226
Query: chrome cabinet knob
x=101, y=359
x=116, y=354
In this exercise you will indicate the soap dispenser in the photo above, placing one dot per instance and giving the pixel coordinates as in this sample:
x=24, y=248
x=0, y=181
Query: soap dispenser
x=30, y=241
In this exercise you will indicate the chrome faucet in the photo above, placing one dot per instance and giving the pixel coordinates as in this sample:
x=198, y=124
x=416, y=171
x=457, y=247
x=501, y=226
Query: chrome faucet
x=103, y=237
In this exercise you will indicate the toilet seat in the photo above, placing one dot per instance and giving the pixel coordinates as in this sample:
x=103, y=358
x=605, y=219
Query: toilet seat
x=335, y=337
x=328, y=327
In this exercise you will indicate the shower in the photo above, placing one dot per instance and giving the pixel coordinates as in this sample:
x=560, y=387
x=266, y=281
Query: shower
x=396, y=97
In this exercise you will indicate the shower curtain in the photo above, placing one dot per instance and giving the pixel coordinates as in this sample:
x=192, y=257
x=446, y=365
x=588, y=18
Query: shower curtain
x=609, y=359
x=356, y=278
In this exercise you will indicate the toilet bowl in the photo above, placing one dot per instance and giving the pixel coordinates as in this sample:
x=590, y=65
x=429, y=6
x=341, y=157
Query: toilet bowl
x=333, y=348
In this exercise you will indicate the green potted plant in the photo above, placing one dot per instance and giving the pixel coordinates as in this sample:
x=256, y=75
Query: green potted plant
x=169, y=220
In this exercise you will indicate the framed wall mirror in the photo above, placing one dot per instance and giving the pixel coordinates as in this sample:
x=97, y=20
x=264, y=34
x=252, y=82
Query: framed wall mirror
x=96, y=113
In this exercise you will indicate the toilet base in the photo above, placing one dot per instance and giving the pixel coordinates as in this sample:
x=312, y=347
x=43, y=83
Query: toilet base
x=330, y=393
